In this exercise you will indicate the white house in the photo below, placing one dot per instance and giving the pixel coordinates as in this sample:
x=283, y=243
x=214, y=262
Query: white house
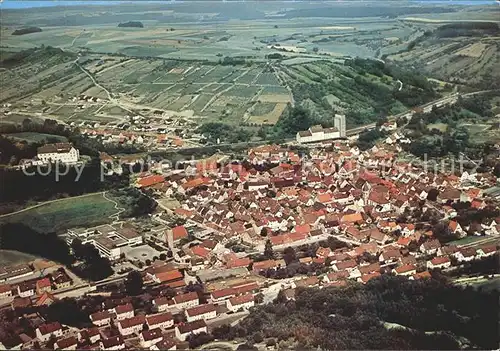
x=26, y=290
x=186, y=300
x=165, y=344
x=406, y=270
x=66, y=344
x=222, y=295
x=62, y=152
x=112, y=343
x=123, y=311
x=485, y=251
x=131, y=326
x=439, y=262
x=44, y=331
x=101, y=318
x=207, y=311
x=162, y=321
x=92, y=335
x=466, y=255
x=430, y=247
x=161, y=304
x=182, y=331
x=150, y=337
x=240, y=302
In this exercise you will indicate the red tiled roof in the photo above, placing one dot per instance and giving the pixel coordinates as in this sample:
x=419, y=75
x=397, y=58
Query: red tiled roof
x=440, y=260
x=159, y=318
x=239, y=300
x=217, y=294
x=185, y=297
x=303, y=229
x=369, y=276
x=179, y=232
x=43, y=283
x=168, y=276
x=201, y=251
x=406, y=268
x=424, y=274
x=4, y=288
x=124, y=308
x=201, y=309
x=150, y=180
x=238, y=262
x=132, y=322
x=49, y=328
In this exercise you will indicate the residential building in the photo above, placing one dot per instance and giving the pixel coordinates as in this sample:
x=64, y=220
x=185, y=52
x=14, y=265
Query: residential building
x=45, y=331
x=101, y=318
x=165, y=344
x=204, y=312
x=188, y=300
x=123, y=311
x=133, y=325
x=69, y=343
x=5, y=291
x=43, y=285
x=26, y=289
x=162, y=321
x=439, y=262
x=182, y=331
x=162, y=304
x=240, y=302
x=150, y=337
x=59, y=152
x=112, y=343
x=405, y=270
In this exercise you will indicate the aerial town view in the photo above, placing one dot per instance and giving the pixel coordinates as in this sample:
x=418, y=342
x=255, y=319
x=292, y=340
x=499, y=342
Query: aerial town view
x=250, y=175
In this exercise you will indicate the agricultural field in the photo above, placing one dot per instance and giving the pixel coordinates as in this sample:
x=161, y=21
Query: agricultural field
x=244, y=71
x=11, y=258
x=65, y=213
x=36, y=137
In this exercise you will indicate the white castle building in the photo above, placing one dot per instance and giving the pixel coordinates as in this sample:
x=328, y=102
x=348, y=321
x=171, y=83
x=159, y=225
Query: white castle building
x=318, y=133
x=62, y=152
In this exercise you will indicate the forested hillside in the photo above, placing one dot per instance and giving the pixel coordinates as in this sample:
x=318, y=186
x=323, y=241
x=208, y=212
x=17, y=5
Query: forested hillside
x=430, y=314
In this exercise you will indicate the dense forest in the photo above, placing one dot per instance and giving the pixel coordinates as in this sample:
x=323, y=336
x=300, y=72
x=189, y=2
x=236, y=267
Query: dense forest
x=386, y=313
x=27, y=30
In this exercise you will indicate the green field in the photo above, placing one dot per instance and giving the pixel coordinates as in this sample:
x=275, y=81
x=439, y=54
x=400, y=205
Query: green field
x=65, y=213
x=10, y=257
x=36, y=137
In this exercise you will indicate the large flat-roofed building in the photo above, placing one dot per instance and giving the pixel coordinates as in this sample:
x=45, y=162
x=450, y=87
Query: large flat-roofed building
x=108, y=239
x=62, y=152
x=14, y=272
x=317, y=133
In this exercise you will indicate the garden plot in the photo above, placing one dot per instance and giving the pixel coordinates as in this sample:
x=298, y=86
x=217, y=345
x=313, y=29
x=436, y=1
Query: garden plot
x=215, y=75
x=243, y=91
x=200, y=102
x=249, y=77
x=179, y=103
x=267, y=78
x=270, y=117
